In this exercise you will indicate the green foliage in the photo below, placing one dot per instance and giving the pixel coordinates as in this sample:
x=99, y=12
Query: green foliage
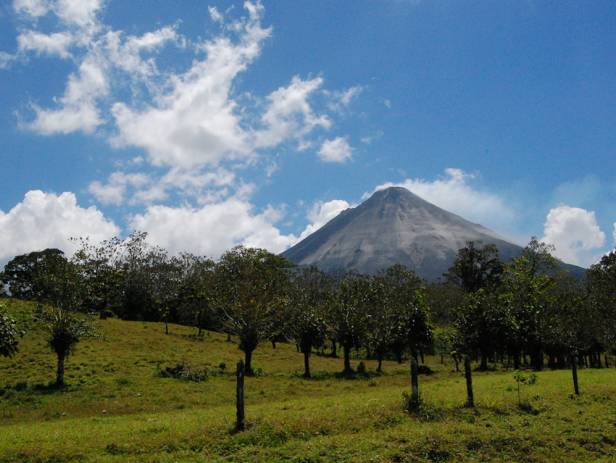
x=9, y=334
x=31, y=276
x=251, y=287
x=64, y=328
x=476, y=268
x=523, y=379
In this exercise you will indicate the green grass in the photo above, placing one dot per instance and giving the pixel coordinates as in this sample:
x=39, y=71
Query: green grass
x=117, y=407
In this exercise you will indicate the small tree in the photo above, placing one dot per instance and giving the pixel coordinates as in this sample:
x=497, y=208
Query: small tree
x=64, y=330
x=8, y=335
x=310, y=297
x=347, y=315
x=251, y=284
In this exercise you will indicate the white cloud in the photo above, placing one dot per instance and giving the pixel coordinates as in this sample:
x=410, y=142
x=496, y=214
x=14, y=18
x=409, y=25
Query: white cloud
x=575, y=234
x=321, y=213
x=113, y=191
x=216, y=15
x=43, y=220
x=57, y=44
x=341, y=99
x=34, y=8
x=78, y=109
x=211, y=229
x=335, y=150
x=289, y=114
x=453, y=192
x=81, y=13
x=6, y=59
x=195, y=123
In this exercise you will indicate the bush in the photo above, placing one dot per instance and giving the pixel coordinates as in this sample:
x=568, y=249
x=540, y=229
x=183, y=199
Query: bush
x=185, y=373
x=106, y=313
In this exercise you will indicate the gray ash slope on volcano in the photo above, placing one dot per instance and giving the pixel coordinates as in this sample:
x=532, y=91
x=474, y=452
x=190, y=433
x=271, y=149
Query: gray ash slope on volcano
x=395, y=226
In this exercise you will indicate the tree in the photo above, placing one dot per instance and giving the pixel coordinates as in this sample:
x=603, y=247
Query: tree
x=475, y=268
x=601, y=279
x=392, y=292
x=526, y=287
x=64, y=330
x=347, y=315
x=100, y=271
x=251, y=285
x=8, y=335
x=310, y=299
x=571, y=323
x=165, y=277
x=196, y=293
x=21, y=274
x=481, y=324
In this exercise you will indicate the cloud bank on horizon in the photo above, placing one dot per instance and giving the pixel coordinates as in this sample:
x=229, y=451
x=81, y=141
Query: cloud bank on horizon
x=192, y=134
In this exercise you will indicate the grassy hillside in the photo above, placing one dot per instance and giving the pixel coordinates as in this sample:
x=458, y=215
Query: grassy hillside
x=118, y=408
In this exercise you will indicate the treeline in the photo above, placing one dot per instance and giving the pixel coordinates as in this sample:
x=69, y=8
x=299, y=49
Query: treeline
x=524, y=312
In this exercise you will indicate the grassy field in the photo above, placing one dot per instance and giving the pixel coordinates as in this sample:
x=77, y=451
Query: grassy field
x=118, y=407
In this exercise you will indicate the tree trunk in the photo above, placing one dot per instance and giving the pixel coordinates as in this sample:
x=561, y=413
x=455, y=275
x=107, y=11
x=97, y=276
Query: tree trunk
x=166, y=327
x=414, y=402
x=470, y=400
x=576, y=386
x=455, y=359
x=516, y=361
x=484, y=362
x=306, y=363
x=421, y=354
x=60, y=371
x=379, y=366
x=607, y=363
x=347, y=359
x=334, y=349
x=273, y=344
x=239, y=397
x=248, y=363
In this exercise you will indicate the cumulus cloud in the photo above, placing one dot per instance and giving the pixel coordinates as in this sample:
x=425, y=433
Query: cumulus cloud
x=575, y=234
x=213, y=228
x=44, y=220
x=289, y=113
x=455, y=193
x=321, y=213
x=335, y=150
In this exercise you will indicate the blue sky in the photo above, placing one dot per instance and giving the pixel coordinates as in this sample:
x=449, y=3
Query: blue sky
x=213, y=124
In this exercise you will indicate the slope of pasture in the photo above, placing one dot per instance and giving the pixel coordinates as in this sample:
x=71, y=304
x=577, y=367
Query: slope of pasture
x=118, y=408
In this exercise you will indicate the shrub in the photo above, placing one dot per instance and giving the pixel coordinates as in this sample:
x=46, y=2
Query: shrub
x=106, y=313
x=185, y=373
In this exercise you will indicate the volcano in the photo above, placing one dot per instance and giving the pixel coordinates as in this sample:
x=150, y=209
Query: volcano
x=395, y=226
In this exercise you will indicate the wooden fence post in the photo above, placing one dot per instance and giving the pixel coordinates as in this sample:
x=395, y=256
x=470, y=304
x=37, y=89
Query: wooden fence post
x=414, y=402
x=470, y=400
x=239, y=397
